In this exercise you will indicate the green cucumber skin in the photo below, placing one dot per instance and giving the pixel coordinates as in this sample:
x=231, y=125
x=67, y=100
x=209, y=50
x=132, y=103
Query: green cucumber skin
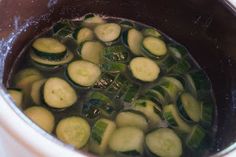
x=182, y=110
x=196, y=138
x=49, y=56
x=117, y=53
x=169, y=118
x=97, y=134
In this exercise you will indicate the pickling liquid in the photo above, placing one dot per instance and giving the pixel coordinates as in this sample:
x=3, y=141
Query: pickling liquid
x=170, y=65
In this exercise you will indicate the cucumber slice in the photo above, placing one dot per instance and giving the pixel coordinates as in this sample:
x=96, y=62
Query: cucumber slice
x=117, y=53
x=157, y=93
x=42, y=117
x=83, y=73
x=154, y=46
x=108, y=32
x=83, y=34
x=49, y=48
x=171, y=115
x=92, y=51
x=92, y=20
x=164, y=142
x=207, y=111
x=132, y=118
x=74, y=131
x=104, y=82
x=196, y=137
x=177, y=51
x=16, y=95
x=144, y=69
x=96, y=107
x=130, y=93
x=127, y=140
x=68, y=57
x=126, y=24
x=189, y=107
x=35, y=91
x=172, y=86
x=149, y=109
x=25, y=78
x=112, y=67
x=100, y=135
x=133, y=38
x=57, y=93
x=151, y=32
x=197, y=80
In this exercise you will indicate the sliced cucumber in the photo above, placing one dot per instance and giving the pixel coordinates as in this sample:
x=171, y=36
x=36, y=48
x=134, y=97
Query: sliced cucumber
x=35, y=91
x=150, y=109
x=16, y=95
x=196, y=137
x=104, y=82
x=207, y=111
x=92, y=20
x=127, y=140
x=94, y=108
x=172, y=86
x=83, y=73
x=113, y=67
x=92, y=51
x=133, y=38
x=144, y=69
x=189, y=107
x=83, y=34
x=132, y=118
x=49, y=48
x=164, y=142
x=68, y=57
x=154, y=46
x=177, y=51
x=57, y=93
x=157, y=93
x=151, y=32
x=127, y=24
x=117, y=53
x=25, y=78
x=100, y=135
x=171, y=115
x=42, y=117
x=74, y=131
x=130, y=93
x=197, y=80
x=108, y=32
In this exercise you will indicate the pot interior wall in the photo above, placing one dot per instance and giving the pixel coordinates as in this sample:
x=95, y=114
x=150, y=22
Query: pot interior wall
x=205, y=27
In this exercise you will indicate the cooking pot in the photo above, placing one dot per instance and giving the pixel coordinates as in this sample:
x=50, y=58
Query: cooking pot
x=206, y=27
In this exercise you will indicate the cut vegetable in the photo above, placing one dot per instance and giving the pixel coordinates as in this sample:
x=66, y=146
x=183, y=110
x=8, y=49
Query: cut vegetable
x=132, y=118
x=171, y=115
x=127, y=140
x=74, y=131
x=92, y=20
x=117, y=53
x=58, y=93
x=16, y=95
x=49, y=48
x=167, y=63
x=150, y=109
x=144, y=69
x=164, y=142
x=100, y=135
x=108, y=32
x=177, y=51
x=35, y=91
x=196, y=137
x=42, y=117
x=92, y=51
x=189, y=107
x=133, y=38
x=154, y=46
x=151, y=32
x=157, y=93
x=83, y=73
x=83, y=34
x=68, y=57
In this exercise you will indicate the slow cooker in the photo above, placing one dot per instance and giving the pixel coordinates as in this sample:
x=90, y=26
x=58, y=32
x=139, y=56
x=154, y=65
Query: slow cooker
x=206, y=27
